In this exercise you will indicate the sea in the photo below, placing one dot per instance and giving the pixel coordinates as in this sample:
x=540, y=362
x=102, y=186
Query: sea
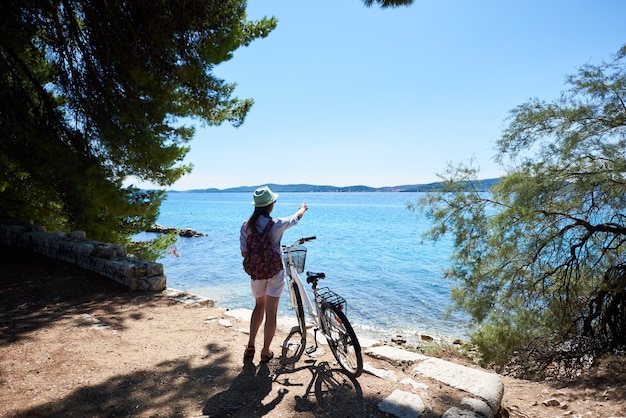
x=369, y=245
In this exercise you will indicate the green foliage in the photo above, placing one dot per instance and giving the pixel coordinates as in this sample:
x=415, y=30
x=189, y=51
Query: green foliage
x=93, y=92
x=388, y=3
x=152, y=250
x=534, y=257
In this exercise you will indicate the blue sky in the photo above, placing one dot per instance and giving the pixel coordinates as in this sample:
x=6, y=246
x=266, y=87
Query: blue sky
x=348, y=95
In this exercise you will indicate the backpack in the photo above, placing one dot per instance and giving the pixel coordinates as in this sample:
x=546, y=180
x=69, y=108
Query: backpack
x=262, y=261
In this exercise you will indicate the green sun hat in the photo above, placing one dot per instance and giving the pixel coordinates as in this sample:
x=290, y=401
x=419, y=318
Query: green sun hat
x=263, y=196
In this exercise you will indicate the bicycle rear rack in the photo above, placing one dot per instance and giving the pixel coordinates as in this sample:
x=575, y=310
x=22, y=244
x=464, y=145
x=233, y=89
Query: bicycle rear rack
x=325, y=295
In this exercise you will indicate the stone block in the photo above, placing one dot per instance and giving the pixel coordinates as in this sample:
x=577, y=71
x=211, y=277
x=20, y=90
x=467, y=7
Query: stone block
x=108, y=260
x=79, y=235
x=402, y=404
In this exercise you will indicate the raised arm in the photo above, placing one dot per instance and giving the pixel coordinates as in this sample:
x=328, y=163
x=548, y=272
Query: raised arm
x=300, y=212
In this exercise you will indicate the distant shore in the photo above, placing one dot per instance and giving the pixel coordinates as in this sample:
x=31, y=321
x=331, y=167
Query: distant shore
x=481, y=185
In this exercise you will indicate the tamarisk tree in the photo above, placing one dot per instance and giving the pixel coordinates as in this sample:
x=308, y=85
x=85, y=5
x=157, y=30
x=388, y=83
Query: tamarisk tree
x=539, y=261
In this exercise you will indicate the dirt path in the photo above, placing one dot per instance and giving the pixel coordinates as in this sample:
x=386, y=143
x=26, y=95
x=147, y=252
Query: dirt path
x=75, y=344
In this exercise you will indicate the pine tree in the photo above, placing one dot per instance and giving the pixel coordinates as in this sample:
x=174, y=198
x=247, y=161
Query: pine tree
x=93, y=92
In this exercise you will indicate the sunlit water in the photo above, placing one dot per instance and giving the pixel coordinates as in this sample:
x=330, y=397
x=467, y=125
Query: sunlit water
x=368, y=244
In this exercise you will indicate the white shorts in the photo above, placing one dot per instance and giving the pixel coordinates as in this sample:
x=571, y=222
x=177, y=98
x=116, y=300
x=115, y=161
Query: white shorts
x=271, y=287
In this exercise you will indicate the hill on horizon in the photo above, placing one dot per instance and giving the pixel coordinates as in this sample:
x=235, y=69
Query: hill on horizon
x=482, y=185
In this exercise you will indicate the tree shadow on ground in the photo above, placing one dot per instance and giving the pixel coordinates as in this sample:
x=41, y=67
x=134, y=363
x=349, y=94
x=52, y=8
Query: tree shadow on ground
x=257, y=390
x=165, y=390
x=246, y=395
x=36, y=291
x=330, y=392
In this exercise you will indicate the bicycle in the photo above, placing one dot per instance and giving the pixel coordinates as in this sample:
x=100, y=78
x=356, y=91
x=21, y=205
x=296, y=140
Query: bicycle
x=328, y=315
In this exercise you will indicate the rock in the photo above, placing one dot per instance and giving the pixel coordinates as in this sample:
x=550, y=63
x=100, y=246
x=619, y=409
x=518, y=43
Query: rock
x=402, y=404
x=160, y=229
x=416, y=385
x=551, y=402
x=398, y=339
x=455, y=412
x=382, y=373
x=190, y=233
x=78, y=235
x=395, y=355
x=225, y=323
x=483, y=385
x=185, y=232
x=189, y=298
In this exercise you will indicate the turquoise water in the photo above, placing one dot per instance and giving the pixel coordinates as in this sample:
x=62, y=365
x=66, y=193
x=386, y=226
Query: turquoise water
x=368, y=244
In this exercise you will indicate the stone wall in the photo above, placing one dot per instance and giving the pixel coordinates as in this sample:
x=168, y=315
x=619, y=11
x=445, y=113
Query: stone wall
x=108, y=260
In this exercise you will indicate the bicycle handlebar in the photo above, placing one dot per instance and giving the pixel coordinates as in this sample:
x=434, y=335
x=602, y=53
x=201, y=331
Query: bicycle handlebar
x=300, y=241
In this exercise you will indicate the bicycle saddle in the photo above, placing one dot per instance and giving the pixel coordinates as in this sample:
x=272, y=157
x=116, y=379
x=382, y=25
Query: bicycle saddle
x=314, y=277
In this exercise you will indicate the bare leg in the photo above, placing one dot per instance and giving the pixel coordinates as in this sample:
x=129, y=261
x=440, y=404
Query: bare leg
x=271, y=311
x=256, y=319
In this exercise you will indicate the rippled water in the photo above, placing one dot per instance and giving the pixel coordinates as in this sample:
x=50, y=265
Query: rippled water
x=368, y=244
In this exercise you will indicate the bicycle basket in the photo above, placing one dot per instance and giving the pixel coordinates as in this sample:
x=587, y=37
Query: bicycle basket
x=298, y=255
x=325, y=295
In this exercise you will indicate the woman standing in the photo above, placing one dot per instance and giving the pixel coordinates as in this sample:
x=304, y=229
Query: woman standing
x=266, y=291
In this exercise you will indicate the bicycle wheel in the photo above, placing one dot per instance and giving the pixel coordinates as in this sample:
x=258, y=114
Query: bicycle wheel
x=335, y=389
x=295, y=344
x=342, y=340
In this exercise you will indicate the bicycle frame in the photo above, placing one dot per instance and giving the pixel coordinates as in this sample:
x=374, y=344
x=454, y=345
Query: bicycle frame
x=327, y=311
x=294, y=277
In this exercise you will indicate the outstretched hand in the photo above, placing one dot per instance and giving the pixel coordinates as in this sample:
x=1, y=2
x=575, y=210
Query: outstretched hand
x=303, y=208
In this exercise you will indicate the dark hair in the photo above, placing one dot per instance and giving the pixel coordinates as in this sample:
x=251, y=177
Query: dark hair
x=258, y=212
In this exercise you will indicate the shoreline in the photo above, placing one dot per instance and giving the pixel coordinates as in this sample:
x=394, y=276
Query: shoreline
x=417, y=340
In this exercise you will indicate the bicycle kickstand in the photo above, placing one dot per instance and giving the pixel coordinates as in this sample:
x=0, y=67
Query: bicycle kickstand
x=313, y=348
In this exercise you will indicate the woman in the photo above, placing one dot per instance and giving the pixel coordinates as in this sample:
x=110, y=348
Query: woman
x=266, y=291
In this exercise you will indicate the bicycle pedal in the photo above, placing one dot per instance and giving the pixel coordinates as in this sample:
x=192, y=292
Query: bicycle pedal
x=311, y=349
x=290, y=345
